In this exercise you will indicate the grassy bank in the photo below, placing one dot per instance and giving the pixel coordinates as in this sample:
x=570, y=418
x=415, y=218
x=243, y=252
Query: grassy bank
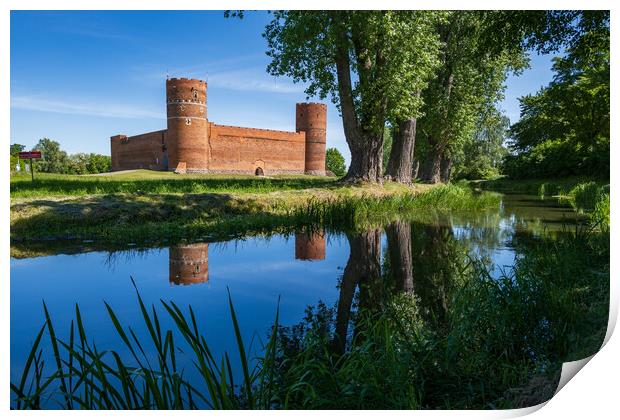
x=156, y=182
x=242, y=209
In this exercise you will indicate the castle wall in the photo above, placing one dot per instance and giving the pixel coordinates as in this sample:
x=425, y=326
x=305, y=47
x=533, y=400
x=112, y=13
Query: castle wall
x=192, y=144
x=244, y=150
x=144, y=151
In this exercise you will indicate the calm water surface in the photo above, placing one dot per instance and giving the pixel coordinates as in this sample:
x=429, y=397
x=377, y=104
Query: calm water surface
x=301, y=270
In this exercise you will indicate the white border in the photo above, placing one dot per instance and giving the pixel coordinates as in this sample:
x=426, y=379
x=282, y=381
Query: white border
x=593, y=393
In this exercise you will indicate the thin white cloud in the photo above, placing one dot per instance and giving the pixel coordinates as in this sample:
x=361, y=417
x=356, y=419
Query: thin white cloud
x=249, y=80
x=34, y=103
x=157, y=72
x=223, y=74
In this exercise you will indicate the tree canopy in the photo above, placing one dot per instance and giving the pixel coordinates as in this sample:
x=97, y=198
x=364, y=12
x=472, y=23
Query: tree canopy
x=368, y=62
x=564, y=127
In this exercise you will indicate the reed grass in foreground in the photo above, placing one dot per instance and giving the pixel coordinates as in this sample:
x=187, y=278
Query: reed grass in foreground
x=500, y=344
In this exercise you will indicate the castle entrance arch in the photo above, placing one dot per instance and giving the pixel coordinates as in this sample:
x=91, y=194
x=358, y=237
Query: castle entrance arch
x=259, y=168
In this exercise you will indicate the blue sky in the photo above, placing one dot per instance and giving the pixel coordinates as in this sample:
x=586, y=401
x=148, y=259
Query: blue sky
x=81, y=77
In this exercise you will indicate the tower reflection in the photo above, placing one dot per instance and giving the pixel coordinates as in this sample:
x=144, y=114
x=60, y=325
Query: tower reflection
x=189, y=264
x=310, y=246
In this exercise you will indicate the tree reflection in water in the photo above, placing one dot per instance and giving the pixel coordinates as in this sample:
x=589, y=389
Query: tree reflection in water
x=421, y=324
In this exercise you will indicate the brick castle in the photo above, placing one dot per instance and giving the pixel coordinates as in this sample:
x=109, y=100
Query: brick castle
x=193, y=144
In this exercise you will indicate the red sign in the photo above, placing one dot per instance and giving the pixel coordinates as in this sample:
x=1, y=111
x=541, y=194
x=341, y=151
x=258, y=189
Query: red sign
x=30, y=155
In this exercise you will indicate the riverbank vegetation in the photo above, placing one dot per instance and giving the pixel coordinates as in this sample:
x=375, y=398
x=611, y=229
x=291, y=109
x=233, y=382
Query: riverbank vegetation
x=585, y=195
x=173, y=208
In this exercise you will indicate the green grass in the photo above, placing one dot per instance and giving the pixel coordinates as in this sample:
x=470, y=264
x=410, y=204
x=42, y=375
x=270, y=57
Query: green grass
x=154, y=182
x=500, y=345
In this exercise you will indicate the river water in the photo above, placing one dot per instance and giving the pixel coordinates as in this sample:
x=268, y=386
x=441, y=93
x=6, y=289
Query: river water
x=297, y=270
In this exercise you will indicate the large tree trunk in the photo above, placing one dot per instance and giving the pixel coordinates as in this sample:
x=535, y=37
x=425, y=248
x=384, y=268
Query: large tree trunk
x=446, y=168
x=363, y=268
x=366, y=160
x=366, y=148
x=399, y=246
x=431, y=168
x=400, y=165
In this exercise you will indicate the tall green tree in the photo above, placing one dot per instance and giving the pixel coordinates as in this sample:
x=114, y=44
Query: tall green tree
x=334, y=162
x=53, y=159
x=368, y=62
x=469, y=82
x=98, y=163
x=482, y=154
x=565, y=127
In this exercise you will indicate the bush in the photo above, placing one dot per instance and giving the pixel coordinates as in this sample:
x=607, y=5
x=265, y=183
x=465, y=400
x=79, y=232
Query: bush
x=334, y=162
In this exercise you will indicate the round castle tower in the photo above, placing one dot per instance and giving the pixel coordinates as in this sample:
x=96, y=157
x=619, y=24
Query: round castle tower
x=310, y=246
x=189, y=264
x=186, y=108
x=312, y=118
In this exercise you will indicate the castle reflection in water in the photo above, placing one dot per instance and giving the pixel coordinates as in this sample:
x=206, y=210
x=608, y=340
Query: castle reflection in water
x=189, y=264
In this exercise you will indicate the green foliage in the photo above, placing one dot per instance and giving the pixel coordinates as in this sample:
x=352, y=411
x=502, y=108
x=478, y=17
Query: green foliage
x=16, y=148
x=98, y=163
x=593, y=199
x=13, y=163
x=551, y=158
x=334, y=162
x=500, y=343
x=466, y=87
x=88, y=163
x=156, y=182
x=601, y=214
x=53, y=159
x=56, y=160
x=483, y=152
x=564, y=128
x=541, y=187
x=144, y=215
x=86, y=378
x=303, y=44
x=370, y=63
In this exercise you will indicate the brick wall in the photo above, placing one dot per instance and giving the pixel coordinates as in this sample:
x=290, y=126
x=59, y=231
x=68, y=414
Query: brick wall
x=144, y=151
x=243, y=150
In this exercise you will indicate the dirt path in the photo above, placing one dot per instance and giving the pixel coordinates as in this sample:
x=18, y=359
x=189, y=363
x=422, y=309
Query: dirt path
x=128, y=171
